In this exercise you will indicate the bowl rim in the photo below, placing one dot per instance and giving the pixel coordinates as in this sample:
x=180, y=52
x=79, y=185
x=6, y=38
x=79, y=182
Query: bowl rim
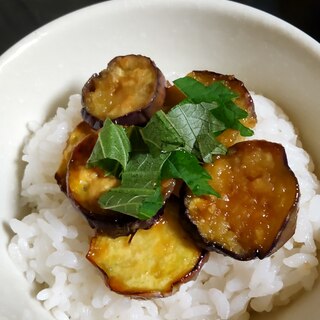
x=256, y=15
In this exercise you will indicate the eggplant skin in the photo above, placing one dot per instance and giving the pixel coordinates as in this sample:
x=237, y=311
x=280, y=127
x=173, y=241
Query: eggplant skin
x=257, y=211
x=152, y=263
x=91, y=120
x=129, y=91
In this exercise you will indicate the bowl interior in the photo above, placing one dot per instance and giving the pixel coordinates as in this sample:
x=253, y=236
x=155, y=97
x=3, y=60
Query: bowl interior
x=39, y=74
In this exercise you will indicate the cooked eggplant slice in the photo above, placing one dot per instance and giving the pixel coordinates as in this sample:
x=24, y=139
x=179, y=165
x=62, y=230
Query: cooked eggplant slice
x=244, y=101
x=152, y=262
x=173, y=97
x=85, y=186
x=129, y=91
x=257, y=211
x=79, y=133
x=168, y=187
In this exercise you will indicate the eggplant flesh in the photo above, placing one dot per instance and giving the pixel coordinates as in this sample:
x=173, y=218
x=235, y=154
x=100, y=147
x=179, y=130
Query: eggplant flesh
x=79, y=133
x=129, y=91
x=151, y=263
x=85, y=184
x=257, y=211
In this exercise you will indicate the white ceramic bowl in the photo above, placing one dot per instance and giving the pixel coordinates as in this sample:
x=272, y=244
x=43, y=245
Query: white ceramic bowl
x=39, y=73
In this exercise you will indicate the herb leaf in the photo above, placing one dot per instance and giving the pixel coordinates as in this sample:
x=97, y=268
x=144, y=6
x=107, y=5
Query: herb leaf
x=112, y=144
x=193, y=119
x=136, y=141
x=198, y=92
x=128, y=201
x=139, y=193
x=143, y=170
x=208, y=146
x=227, y=111
x=161, y=134
x=230, y=114
x=151, y=204
x=185, y=166
x=180, y=128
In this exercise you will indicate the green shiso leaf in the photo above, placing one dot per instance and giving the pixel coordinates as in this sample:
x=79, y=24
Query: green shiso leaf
x=227, y=111
x=151, y=204
x=130, y=201
x=139, y=193
x=136, y=141
x=185, y=166
x=111, y=149
x=197, y=92
x=161, y=134
x=208, y=146
x=230, y=114
x=180, y=128
x=143, y=170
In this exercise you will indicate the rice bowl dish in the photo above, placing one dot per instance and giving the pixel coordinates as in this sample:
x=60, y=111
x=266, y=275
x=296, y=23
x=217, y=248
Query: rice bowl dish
x=52, y=241
x=261, y=50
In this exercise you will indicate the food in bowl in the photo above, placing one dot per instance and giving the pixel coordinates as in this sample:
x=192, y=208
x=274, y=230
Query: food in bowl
x=224, y=287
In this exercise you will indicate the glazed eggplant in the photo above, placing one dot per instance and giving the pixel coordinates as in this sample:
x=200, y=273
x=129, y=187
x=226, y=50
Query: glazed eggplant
x=257, y=211
x=244, y=101
x=173, y=97
x=129, y=91
x=86, y=184
x=151, y=263
x=79, y=133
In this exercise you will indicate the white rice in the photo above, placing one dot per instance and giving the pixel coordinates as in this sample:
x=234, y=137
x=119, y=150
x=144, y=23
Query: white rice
x=51, y=242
